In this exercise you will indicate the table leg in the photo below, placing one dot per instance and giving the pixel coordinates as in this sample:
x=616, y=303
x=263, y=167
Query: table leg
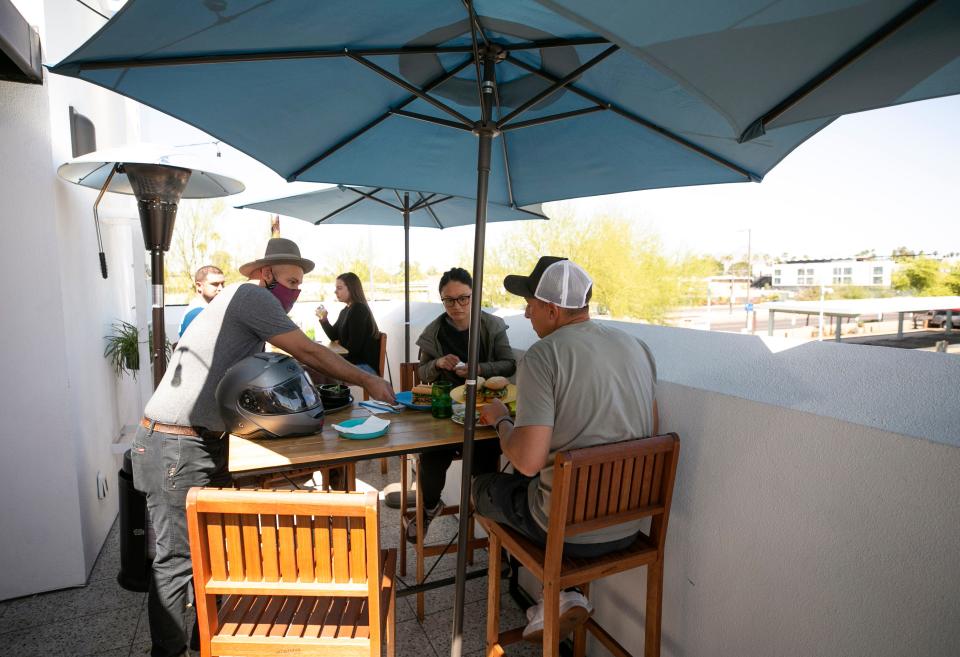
x=403, y=515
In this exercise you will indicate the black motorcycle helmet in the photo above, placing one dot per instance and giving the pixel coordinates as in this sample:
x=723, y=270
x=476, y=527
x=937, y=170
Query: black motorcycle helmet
x=268, y=395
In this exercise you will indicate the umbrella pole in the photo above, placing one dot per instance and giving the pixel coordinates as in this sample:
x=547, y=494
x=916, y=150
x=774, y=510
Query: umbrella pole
x=486, y=131
x=406, y=277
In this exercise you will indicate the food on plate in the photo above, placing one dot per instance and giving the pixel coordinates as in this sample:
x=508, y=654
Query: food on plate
x=493, y=388
x=422, y=395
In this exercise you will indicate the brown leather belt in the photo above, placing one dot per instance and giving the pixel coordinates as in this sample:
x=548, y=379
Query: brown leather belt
x=178, y=430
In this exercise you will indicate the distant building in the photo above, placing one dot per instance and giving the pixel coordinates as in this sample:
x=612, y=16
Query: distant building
x=866, y=272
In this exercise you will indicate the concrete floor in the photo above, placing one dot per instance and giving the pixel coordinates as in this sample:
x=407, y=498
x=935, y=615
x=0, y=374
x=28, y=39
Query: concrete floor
x=103, y=620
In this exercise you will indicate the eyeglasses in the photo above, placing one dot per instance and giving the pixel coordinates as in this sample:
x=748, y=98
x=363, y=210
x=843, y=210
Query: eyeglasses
x=450, y=302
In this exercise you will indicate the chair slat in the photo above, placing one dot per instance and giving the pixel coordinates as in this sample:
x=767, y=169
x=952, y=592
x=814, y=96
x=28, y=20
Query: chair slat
x=317, y=619
x=218, y=555
x=250, y=526
x=606, y=474
x=616, y=478
x=321, y=547
x=288, y=549
x=331, y=624
x=270, y=611
x=268, y=548
x=341, y=555
x=348, y=622
x=592, y=493
x=655, y=489
x=627, y=485
x=647, y=480
x=580, y=499
x=231, y=523
x=572, y=506
x=637, y=481
x=282, y=622
x=358, y=548
x=305, y=570
x=238, y=607
x=251, y=617
x=299, y=622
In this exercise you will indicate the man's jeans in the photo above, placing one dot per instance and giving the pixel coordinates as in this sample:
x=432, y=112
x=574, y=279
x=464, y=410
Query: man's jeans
x=502, y=497
x=165, y=466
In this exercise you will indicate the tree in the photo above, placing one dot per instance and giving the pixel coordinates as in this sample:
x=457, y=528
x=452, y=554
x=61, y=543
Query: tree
x=195, y=241
x=952, y=280
x=633, y=277
x=921, y=276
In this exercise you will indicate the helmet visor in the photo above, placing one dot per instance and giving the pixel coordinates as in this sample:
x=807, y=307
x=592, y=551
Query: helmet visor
x=292, y=396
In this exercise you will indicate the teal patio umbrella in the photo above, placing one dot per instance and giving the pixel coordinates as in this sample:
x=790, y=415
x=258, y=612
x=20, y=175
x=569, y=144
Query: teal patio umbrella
x=377, y=206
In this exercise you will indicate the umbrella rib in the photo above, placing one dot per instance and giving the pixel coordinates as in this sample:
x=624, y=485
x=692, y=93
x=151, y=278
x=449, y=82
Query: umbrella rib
x=551, y=118
x=380, y=119
x=423, y=199
x=338, y=211
x=419, y=93
x=649, y=125
x=504, y=149
x=759, y=127
x=429, y=208
x=474, y=19
x=559, y=84
x=190, y=60
x=474, y=26
x=431, y=119
x=370, y=196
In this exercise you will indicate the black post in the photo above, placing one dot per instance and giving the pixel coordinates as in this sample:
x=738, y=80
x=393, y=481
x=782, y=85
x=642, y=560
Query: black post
x=486, y=131
x=158, y=351
x=406, y=277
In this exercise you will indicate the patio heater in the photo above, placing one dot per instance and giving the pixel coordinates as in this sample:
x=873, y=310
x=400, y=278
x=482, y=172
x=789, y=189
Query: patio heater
x=158, y=181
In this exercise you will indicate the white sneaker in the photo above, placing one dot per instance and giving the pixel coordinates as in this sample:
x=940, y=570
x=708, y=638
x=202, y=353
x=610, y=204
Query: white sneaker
x=574, y=611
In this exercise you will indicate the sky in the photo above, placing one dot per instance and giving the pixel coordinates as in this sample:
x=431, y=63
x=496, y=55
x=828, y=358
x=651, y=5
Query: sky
x=873, y=180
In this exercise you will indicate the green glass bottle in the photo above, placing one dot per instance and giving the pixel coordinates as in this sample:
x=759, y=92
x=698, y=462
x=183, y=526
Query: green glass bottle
x=441, y=406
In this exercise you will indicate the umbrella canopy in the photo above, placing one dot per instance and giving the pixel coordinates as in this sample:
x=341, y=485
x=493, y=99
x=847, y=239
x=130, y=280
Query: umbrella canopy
x=581, y=97
x=374, y=206
x=344, y=91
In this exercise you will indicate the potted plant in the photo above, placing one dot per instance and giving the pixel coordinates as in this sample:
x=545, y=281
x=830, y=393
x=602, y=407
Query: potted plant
x=123, y=348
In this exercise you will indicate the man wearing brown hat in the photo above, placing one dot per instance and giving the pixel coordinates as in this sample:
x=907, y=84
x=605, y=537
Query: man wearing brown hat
x=182, y=440
x=583, y=383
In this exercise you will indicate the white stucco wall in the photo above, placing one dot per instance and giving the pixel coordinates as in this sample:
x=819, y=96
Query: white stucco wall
x=62, y=406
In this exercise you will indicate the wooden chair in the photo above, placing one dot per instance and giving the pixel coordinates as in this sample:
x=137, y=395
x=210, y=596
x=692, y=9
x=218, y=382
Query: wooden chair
x=381, y=365
x=299, y=572
x=593, y=487
x=409, y=378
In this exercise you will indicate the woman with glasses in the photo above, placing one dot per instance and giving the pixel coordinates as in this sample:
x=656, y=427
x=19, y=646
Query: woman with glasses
x=355, y=328
x=443, y=357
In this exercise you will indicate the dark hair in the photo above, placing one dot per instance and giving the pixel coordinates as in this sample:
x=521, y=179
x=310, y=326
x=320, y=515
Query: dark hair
x=572, y=312
x=205, y=271
x=457, y=274
x=354, y=287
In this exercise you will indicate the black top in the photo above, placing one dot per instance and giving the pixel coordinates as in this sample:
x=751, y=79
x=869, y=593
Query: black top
x=356, y=329
x=454, y=341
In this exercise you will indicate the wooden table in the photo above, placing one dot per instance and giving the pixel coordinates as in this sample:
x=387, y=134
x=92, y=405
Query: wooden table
x=334, y=346
x=410, y=431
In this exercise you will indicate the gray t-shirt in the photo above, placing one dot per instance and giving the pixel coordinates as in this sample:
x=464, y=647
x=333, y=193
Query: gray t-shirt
x=593, y=384
x=233, y=326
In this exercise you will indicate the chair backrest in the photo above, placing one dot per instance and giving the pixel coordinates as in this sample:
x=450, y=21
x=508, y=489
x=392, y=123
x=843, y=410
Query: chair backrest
x=604, y=485
x=409, y=375
x=283, y=543
x=383, y=354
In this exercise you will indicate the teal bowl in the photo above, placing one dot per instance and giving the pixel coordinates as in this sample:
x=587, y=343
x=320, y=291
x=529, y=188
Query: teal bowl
x=352, y=422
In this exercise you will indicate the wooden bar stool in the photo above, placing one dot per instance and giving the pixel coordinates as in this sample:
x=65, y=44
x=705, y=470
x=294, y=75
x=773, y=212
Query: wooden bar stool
x=299, y=572
x=593, y=488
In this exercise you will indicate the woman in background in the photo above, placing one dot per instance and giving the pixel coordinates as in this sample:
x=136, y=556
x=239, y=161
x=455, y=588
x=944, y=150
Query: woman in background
x=355, y=329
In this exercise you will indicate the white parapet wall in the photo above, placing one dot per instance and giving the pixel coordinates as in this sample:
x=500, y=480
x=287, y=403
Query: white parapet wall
x=816, y=504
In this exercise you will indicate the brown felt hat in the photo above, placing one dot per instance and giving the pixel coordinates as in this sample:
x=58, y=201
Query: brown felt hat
x=280, y=251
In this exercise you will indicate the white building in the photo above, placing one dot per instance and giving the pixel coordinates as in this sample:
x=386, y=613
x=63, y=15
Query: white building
x=865, y=272
x=816, y=499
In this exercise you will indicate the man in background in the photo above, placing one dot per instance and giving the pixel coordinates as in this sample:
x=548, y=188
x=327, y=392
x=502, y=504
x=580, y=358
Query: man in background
x=208, y=282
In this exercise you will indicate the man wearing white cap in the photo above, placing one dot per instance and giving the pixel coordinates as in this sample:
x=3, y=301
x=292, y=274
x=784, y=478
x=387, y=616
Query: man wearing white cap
x=182, y=440
x=583, y=383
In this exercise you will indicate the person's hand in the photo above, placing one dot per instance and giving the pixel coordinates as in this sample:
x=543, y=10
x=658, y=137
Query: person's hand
x=461, y=370
x=379, y=389
x=493, y=411
x=448, y=362
x=321, y=313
